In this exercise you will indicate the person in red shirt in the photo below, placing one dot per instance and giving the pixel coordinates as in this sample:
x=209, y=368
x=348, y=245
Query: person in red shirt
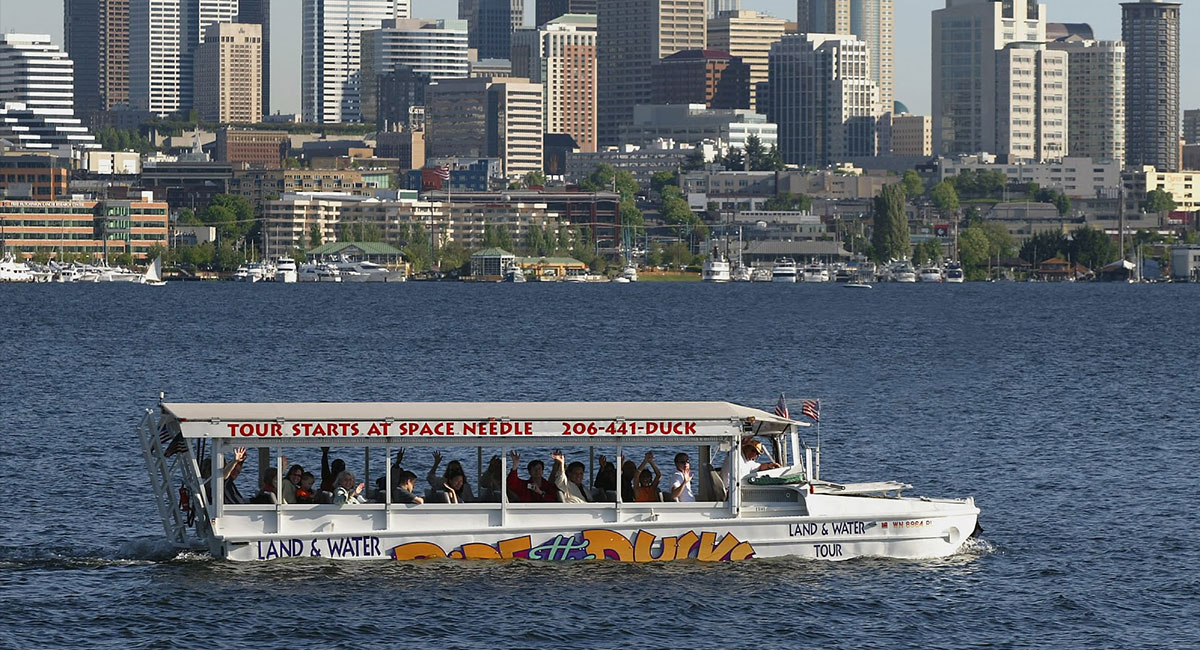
x=534, y=490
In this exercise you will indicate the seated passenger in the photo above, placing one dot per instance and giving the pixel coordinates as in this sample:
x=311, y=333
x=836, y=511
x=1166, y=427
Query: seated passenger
x=306, y=493
x=492, y=481
x=330, y=472
x=534, y=490
x=462, y=491
x=228, y=474
x=681, y=480
x=291, y=481
x=347, y=492
x=266, y=489
x=404, y=484
x=606, y=478
x=629, y=477
x=569, y=480
x=381, y=482
x=647, y=486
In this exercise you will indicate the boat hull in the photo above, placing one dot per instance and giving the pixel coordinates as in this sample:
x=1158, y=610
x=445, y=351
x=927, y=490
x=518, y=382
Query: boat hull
x=910, y=529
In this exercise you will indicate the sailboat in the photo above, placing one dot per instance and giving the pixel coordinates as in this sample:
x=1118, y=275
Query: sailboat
x=153, y=275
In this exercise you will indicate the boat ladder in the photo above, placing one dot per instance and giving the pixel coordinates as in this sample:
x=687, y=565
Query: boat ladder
x=172, y=466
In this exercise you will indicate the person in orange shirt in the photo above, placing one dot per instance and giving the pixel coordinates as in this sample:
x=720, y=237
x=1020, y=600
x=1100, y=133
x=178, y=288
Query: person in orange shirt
x=646, y=489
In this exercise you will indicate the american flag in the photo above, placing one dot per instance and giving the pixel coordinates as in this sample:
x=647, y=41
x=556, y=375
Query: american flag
x=812, y=409
x=442, y=172
x=781, y=408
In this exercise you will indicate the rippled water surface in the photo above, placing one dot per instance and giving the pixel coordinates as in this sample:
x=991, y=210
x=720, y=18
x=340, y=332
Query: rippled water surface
x=1068, y=412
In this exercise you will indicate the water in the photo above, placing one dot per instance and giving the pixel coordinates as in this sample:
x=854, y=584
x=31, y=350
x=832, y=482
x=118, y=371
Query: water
x=1067, y=411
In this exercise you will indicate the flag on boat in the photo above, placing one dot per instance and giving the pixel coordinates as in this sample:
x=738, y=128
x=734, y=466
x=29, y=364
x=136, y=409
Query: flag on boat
x=781, y=408
x=811, y=409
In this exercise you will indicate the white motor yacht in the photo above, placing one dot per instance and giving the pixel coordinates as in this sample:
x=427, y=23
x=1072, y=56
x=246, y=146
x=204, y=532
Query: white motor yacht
x=903, y=271
x=784, y=270
x=13, y=271
x=930, y=274
x=318, y=272
x=285, y=270
x=954, y=274
x=742, y=274
x=715, y=269
x=630, y=272
x=117, y=274
x=816, y=272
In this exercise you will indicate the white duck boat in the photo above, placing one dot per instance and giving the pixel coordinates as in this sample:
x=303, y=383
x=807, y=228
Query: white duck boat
x=749, y=509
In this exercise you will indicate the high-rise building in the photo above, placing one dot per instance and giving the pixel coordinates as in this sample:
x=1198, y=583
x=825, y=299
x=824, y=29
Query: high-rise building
x=872, y=21
x=436, y=49
x=713, y=78
x=483, y=117
x=155, y=55
x=910, y=136
x=823, y=98
x=968, y=38
x=561, y=55
x=330, y=54
x=716, y=7
x=228, y=78
x=631, y=36
x=258, y=12
x=1031, y=103
x=1095, y=98
x=196, y=17
x=37, y=94
x=547, y=10
x=1150, y=29
x=748, y=35
x=490, y=24
x=1191, y=126
x=97, y=40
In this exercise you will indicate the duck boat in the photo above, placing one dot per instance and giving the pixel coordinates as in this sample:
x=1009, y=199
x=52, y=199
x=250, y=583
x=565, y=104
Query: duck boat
x=785, y=511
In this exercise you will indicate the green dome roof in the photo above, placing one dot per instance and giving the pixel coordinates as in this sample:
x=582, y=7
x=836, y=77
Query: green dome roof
x=898, y=108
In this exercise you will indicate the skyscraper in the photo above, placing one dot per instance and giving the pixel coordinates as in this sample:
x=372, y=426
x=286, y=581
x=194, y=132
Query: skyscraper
x=1031, y=103
x=37, y=94
x=490, y=24
x=330, y=54
x=155, y=55
x=561, y=55
x=632, y=36
x=713, y=78
x=196, y=16
x=749, y=35
x=1150, y=29
x=823, y=98
x=97, y=40
x=228, y=80
x=436, y=49
x=547, y=10
x=715, y=7
x=1095, y=97
x=872, y=21
x=485, y=117
x=968, y=35
x=258, y=12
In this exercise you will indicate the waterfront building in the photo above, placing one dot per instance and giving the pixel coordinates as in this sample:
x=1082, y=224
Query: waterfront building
x=403, y=56
x=258, y=12
x=632, y=34
x=712, y=78
x=96, y=35
x=561, y=55
x=91, y=227
x=823, y=98
x=228, y=83
x=34, y=176
x=330, y=66
x=547, y=10
x=1096, y=97
x=487, y=117
x=693, y=123
x=872, y=21
x=969, y=41
x=266, y=149
x=1182, y=186
x=256, y=184
x=1150, y=29
x=749, y=36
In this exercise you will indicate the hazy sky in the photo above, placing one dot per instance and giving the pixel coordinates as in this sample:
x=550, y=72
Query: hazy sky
x=912, y=38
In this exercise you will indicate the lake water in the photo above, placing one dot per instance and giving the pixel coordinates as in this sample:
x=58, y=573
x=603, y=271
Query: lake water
x=1068, y=412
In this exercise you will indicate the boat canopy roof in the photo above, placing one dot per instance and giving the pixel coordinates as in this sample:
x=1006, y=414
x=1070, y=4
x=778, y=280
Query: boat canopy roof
x=224, y=419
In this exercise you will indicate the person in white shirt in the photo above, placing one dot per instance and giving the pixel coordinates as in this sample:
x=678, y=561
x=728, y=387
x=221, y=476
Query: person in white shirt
x=569, y=481
x=681, y=480
x=752, y=452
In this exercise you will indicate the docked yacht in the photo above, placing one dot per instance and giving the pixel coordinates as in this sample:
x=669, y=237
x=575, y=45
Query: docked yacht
x=117, y=274
x=930, y=274
x=514, y=274
x=286, y=270
x=954, y=273
x=816, y=272
x=784, y=270
x=13, y=271
x=742, y=274
x=715, y=269
x=903, y=271
x=252, y=272
x=630, y=272
x=761, y=274
x=318, y=272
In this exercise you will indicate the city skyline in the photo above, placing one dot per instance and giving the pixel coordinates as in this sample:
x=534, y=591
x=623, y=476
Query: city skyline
x=913, y=39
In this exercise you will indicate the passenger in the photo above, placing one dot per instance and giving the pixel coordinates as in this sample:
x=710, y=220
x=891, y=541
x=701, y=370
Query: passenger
x=229, y=473
x=266, y=489
x=606, y=478
x=347, y=492
x=534, y=490
x=462, y=493
x=405, y=483
x=492, y=481
x=381, y=482
x=305, y=492
x=330, y=472
x=629, y=475
x=291, y=481
x=681, y=480
x=647, y=487
x=568, y=479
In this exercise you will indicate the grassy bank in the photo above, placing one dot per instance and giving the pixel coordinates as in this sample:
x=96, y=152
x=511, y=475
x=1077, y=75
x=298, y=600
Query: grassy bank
x=668, y=276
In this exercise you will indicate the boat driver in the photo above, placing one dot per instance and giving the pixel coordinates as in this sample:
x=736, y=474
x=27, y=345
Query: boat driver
x=753, y=451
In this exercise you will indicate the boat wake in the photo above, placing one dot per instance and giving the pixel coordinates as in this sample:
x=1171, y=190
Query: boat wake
x=977, y=547
x=133, y=552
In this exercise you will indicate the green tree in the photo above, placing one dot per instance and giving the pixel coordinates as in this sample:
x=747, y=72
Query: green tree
x=787, y=202
x=489, y=236
x=227, y=258
x=654, y=254
x=929, y=250
x=453, y=255
x=123, y=259
x=695, y=160
x=187, y=217
x=661, y=179
x=1062, y=202
x=889, y=238
x=912, y=184
x=774, y=161
x=532, y=243
x=973, y=247
x=504, y=238
x=1044, y=246
x=945, y=197
x=1159, y=202
x=971, y=216
x=678, y=255
x=1091, y=248
x=734, y=160
x=314, y=236
x=1000, y=242
x=631, y=216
